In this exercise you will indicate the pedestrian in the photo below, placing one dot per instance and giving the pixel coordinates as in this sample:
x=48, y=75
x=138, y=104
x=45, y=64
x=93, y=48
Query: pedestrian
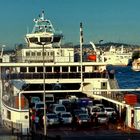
x=36, y=122
x=32, y=121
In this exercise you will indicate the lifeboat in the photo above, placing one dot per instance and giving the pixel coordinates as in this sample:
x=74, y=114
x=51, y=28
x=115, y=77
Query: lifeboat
x=92, y=57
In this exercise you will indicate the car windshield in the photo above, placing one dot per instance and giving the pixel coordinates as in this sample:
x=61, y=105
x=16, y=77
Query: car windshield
x=79, y=112
x=109, y=109
x=60, y=109
x=66, y=115
x=51, y=116
x=40, y=106
x=83, y=116
x=102, y=115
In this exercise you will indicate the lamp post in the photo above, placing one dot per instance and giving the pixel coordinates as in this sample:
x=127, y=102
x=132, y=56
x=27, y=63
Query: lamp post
x=44, y=94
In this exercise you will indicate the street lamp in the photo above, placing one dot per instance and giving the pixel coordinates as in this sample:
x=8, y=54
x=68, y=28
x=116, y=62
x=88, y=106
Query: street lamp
x=44, y=94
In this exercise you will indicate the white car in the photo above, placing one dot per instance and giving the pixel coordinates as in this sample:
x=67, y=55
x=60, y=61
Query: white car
x=52, y=119
x=66, y=117
x=109, y=111
x=57, y=108
x=102, y=118
x=94, y=110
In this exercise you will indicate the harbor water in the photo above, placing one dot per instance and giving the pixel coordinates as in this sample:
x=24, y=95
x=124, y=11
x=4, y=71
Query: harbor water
x=126, y=77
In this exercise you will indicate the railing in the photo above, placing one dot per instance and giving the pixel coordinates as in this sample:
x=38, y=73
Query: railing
x=56, y=75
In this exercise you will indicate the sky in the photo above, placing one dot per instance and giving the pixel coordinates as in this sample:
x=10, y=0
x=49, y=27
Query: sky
x=107, y=20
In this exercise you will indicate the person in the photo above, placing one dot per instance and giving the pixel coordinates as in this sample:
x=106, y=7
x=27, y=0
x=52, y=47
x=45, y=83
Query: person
x=36, y=122
x=32, y=120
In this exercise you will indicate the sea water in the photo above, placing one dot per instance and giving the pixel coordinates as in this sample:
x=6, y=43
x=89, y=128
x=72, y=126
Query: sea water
x=126, y=77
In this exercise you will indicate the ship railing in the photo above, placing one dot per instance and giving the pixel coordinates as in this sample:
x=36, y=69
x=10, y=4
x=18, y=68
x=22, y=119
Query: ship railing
x=110, y=95
x=39, y=59
x=55, y=75
x=55, y=59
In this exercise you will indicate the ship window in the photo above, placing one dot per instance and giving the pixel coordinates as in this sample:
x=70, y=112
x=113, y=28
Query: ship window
x=64, y=69
x=8, y=115
x=51, y=53
x=38, y=53
x=39, y=69
x=33, y=53
x=23, y=69
x=48, y=69
x=72, y=69
x=56, y=69
x=45, y=39
x=31, y=69
x=33, y=39
x=83, y=68
x=56, y=39
x=96, y=68
x=27, y=53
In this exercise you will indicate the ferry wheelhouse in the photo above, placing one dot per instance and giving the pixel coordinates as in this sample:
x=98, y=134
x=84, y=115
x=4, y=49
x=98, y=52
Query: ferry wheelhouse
x=44, y=65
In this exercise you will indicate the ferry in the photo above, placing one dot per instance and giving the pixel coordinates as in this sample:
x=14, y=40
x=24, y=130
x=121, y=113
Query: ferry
x=117, y=56
x=44, y=67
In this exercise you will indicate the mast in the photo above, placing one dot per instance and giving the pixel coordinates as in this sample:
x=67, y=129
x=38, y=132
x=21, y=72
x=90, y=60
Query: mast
x=81, y=53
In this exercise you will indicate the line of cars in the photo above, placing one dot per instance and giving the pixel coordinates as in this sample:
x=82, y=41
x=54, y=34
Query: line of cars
x=76, y=112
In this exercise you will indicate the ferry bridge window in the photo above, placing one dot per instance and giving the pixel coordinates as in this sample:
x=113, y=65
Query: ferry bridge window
x=56, y=69
x=33, y=53
x=56, y=39
x=73, y=69
x=64, y=69
x=39, y=69
x=31, y=69
x=38, y=53
x=33, y=39
x=48, y=69
x=27, y=53
x=23, y=69
x=45, y=39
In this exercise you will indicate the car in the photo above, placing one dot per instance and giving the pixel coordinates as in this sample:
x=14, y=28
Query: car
x=66, y=117
x=39, y=106
x=101, y=106
x=35, y=100
x=83, y=118
x=102, y=118
x=52, y=119
x=57, y=108
x=76, y=112
x=109, y=111
x=94, y=110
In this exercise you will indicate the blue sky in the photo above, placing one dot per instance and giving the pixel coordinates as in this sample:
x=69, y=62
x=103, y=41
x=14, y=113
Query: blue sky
x=109, y=20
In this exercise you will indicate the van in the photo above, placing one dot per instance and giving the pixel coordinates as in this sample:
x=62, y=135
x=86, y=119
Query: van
x=35, y=99
x=57, y=108
x=49, y=98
